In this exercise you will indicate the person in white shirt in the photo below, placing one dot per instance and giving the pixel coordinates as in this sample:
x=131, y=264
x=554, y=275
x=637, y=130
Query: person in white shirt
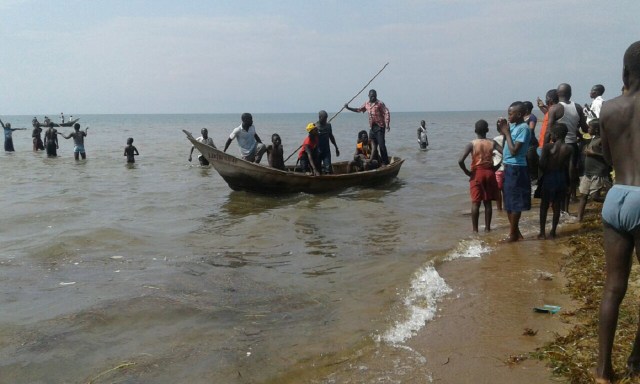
x=204, y=139
x=593, y=111
x=251, y=147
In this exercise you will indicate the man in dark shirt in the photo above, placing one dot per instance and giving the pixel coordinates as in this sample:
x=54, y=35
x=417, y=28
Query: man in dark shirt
x=325, y=135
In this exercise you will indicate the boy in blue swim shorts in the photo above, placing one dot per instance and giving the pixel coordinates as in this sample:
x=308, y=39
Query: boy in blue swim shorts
x=78, y=141
x=620, y=133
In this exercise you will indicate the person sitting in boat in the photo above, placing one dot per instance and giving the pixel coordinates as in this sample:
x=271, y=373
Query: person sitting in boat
x=275, y=152
x=308, y=155
x=251, y=147
x=204, y=139
x=362, y=159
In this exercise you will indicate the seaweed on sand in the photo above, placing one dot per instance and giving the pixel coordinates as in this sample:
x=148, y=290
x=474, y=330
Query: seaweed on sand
x=573, y=356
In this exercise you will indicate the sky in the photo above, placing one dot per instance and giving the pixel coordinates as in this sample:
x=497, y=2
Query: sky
x=212, y=56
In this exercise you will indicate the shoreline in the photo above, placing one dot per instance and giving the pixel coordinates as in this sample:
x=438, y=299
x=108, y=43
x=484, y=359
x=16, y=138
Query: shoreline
x=486, y=329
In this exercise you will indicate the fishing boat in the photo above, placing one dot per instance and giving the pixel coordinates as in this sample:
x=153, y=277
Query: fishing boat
x=242, y=175
x=65, y=124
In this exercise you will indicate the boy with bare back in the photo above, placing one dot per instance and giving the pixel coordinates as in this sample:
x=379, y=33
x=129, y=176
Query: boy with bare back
x=555, y=163
x=482, y=178
x=620, y=133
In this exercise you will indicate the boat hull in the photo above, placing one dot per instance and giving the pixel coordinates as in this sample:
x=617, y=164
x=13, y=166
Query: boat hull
x=242, y=175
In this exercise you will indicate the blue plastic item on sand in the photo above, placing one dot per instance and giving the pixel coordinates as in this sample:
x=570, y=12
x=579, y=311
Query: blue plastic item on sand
x=547, y=309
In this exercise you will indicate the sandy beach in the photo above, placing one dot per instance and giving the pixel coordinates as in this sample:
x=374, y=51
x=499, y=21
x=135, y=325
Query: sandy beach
x=488, y=323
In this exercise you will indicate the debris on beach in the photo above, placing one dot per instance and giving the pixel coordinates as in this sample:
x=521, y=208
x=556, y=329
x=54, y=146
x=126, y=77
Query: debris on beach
x=529, y=332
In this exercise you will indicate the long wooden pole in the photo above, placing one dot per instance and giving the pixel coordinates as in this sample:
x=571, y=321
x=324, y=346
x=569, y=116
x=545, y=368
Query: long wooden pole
x=342, y=109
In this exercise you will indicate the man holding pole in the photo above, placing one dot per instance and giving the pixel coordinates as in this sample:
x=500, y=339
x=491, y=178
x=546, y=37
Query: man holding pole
x=379, y=121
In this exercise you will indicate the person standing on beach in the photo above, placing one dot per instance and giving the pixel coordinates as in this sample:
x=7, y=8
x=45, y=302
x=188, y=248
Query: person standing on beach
x=620, y=133
x=551, y=99
x=482, y=178
x=51, y=141
x=204, y=139
x=569, y=113
x=497, y=162
x=517, y=186
x=422, y=135
x=325, y=135
x=8, y=136
x=593, y=111
x=379, y=121
x=532, y=154
x=555, y=164
x=78, y=141
x=251, y=147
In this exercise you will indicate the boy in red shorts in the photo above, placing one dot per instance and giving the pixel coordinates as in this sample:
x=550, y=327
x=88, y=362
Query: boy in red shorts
x=482, y=183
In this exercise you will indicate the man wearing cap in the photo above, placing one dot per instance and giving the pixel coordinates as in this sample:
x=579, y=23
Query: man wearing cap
x=251, y=147
x=308, y=155
x=379, y=121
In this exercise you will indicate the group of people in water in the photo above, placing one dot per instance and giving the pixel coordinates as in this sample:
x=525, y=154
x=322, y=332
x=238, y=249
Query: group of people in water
x=50, y=143
x=580, y=148
x=314, y=156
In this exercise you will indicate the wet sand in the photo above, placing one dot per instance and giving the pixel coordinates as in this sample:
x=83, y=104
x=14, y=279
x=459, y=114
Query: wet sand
x=480, y=328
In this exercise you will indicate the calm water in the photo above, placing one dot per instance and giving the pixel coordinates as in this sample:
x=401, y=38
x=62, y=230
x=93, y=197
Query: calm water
x=161, y=273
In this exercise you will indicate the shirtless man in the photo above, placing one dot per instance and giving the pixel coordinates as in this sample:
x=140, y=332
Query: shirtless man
x=620, y=133
x=78, y=141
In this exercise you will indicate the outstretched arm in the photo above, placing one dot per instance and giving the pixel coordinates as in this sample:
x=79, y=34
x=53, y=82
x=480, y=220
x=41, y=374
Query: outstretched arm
x=1, y=123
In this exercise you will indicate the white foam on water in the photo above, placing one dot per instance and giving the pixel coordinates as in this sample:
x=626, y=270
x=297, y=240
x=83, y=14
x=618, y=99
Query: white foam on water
x=427, y=288
x=469, y=249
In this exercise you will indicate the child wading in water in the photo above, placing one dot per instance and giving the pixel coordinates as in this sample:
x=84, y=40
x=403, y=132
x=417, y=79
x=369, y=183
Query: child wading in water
x=555, y=163
x=482, y=183
x=130, y=151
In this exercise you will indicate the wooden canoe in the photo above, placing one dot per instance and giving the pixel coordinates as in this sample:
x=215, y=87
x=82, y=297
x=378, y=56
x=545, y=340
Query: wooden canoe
x=65, y=124
x=242, y=175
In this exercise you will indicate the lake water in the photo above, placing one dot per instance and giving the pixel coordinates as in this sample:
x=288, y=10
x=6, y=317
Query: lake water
x=161, y=273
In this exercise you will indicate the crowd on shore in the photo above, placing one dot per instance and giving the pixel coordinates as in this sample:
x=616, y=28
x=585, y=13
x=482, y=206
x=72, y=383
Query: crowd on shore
x=577, y=146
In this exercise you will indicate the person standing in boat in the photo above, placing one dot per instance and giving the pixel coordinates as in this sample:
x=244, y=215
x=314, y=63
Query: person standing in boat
x=422, y=135
x=204, y=139
x=78, y=141
x=61, y=117
x=379, y=121
x=308, y=155
x=8, y=136
x=325, y=135
x=251, y=147
x=51, y=141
